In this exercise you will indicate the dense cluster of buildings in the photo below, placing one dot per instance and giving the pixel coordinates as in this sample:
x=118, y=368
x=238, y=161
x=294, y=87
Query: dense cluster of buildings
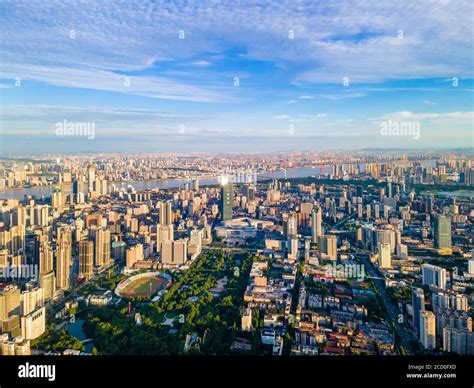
x=318, y=246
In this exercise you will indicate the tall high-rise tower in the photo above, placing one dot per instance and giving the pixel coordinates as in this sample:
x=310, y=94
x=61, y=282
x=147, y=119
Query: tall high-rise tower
x=86, y=258
x=418, y=305
x=43, y=254
x=226, y=199
x=166, y=213
x=316, y=221
x=63, y=258
x=102, y=247
x=428, y=330
x=442, y=232
x=91, y=177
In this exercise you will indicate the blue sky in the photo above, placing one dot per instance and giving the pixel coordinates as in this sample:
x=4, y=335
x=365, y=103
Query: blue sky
x=231, y=76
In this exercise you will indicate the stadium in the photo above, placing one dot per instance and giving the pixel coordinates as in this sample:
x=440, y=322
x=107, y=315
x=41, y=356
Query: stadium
x=143, y=285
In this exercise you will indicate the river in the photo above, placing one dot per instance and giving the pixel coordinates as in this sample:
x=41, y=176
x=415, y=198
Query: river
x=40, y=191
x=75, y=329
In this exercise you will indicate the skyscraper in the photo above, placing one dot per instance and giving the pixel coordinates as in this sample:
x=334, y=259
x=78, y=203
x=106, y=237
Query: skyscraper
x=433, y=276
x=43, y=254
x=102, y=247
x=328, y=246
x=41, y=215
x=166, y=213
x=19, y=216
x=290, y=224
x=48, y=284
x=77, y=187
x=63, y=258
x=249, y=191
x=34, y=323
x=134, y=254
x=458, y=340
x=305, y=214
x=30, y=299
x=78, y=191
x=9, y=301
x=86, y=258
x=57, y=198
x=163, y=233
x=384, y=256
x=180, y=251
x=442, y=232
x=12, y=239
x=225, y=207
x=316, y=221
x=418, y=305
x=387, y=236
x=377, y=211
x=293, y=251
x=428, y=330
x=195, y=242
x=91, y=177
x=167, y=252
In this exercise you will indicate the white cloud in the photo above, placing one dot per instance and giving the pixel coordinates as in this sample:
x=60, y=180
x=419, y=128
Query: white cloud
x=357, y=39
x=91, y=78
x=332, y=40
x=300, y=117
x=342, y=96
x=41, y=119
x=407, y=115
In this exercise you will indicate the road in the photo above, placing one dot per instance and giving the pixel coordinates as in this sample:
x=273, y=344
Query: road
x=393, y=312
x=405, y=336
x=342, y=222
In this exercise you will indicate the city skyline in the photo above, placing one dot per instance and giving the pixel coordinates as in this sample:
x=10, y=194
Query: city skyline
x=284, y=186
x=302, y=254
x=259, y=77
